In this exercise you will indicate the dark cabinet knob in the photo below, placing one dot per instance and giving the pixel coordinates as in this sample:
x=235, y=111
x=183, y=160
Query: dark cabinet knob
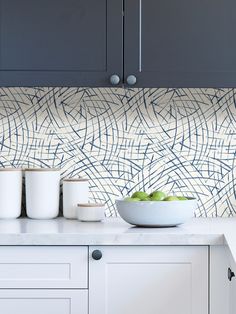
x=131, y=80
x=115, y=79
x=231, y=274
x=97, y=255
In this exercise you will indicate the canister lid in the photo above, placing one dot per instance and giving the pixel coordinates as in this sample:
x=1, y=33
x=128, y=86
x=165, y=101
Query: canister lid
x=91, y=205
x=42, y=169
x=75, y=180
x=11, y=169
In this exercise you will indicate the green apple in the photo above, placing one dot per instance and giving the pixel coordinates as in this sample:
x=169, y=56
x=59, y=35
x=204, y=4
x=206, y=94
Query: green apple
x=171, y=198
x=140, y=194
x=147, y=199
x=157, y=196
x=182, y=198
x=132, y=199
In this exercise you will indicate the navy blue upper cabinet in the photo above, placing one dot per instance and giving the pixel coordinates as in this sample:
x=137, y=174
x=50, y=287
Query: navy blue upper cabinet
x=180, y=43
x=60, y=42
x=140, y=43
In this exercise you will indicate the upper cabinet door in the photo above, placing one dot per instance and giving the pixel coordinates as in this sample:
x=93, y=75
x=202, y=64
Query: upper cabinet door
x=184, y=43
x=60, y=42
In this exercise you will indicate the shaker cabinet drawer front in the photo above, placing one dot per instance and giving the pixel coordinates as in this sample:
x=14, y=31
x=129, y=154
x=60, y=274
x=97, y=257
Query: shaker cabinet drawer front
x=43, y=267
x=44, y=301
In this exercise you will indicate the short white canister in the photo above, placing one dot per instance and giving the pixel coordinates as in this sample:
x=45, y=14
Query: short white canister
x=90, y=212
x=10, y=193
x=42, y=187
x=74, y=191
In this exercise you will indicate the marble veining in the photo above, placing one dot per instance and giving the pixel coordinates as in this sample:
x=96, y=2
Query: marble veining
x=113, y=231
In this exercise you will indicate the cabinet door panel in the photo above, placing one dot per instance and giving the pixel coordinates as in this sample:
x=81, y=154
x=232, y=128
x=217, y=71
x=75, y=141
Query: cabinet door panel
x=232, y=285
x=183, y=43
x=60, y=42
x=43, y=267
x=219, y=283
x=232, y=301
x=150, y=280
x=44, y=301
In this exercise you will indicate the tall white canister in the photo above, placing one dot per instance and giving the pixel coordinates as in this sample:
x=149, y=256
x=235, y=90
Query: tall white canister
x=74, y=191
x=42, y=188
x=10, y=193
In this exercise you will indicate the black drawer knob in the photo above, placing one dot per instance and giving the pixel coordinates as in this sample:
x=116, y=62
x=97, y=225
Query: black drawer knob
x=231, y=274
x=97, y=255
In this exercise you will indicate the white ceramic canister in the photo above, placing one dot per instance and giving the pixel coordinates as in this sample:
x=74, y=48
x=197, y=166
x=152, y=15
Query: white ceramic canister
x=90, y=212
x=42, y=188
x=74, y=191
x=10, y=193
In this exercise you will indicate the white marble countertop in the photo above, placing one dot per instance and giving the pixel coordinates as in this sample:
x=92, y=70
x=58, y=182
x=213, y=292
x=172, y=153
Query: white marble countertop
x=114, y=231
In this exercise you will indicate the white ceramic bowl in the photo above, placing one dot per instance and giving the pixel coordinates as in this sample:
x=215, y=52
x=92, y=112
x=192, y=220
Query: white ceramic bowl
x=157, y=214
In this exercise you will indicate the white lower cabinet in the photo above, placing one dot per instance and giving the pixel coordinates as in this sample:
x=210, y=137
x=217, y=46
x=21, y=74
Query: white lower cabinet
x=43, y=280
x=232, y=302
x=232, y=284
x=43, y=301
x=120, y=280
x=219, y=282
x=148, y=280
x=222, y=281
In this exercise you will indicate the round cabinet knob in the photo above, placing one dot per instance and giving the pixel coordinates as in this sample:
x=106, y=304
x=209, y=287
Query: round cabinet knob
x=131, y=80
x=97, y=255
x=115, y=79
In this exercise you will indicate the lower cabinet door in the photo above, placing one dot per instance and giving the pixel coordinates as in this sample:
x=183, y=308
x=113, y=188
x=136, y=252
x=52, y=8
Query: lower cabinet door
x=148, y=280
x=232, y=302
x=43, y=301
x=232, y=285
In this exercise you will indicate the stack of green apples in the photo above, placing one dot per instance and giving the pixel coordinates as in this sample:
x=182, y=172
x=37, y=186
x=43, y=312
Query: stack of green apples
x=154, y=196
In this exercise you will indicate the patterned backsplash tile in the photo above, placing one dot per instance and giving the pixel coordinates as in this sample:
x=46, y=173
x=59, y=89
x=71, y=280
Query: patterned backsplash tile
x=180, y=140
